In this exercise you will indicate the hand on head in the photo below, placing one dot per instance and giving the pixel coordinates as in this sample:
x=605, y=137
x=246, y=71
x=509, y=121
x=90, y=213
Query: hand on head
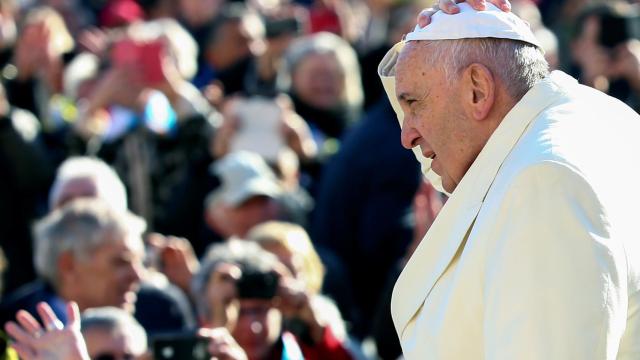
x=450, y=7
x=55, y=341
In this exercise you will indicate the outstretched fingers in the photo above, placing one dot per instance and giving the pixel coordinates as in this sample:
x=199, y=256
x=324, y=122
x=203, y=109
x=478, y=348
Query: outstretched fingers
x=29, y=323
x=49, y=318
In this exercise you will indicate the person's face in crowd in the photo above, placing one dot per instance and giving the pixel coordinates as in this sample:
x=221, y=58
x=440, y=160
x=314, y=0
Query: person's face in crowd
x=592, y=57
x=109, y=277
x=237, y=221
x=104, y=343
x=318, y=80
x=258, y=327
x=433, y=117
x=234, y=42
x=83, y=187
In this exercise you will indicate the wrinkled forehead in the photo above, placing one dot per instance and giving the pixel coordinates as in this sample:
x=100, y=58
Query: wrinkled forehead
x=404, y=57
x=411, y=59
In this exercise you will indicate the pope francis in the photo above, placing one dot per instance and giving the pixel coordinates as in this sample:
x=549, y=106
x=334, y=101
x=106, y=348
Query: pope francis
x=536, y=253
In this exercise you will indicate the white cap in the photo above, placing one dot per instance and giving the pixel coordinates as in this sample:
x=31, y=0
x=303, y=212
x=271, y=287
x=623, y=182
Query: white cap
x=470, y=23
x=243, y=175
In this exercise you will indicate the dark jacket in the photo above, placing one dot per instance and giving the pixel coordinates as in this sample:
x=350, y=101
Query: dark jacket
x=364, y=205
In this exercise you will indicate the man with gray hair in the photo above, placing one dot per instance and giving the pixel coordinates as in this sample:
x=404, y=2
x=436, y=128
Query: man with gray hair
x=535, y=254
x=87, y=252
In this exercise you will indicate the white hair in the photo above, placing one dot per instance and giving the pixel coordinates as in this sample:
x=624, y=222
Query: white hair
x=118, y=321
x=517, y=64
x=328, y=43
x=80, y=227
x=109, y=187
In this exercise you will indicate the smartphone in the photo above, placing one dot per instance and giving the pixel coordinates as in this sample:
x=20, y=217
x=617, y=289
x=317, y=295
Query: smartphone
x=278, y=27
x=259, y=127
x=144, y=56
x=182, y=346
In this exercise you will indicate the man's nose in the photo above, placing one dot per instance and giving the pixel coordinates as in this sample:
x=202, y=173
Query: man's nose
x=135, y=272
x=409, y=137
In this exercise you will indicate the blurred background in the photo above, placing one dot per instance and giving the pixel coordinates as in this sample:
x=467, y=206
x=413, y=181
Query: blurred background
x=137, y=137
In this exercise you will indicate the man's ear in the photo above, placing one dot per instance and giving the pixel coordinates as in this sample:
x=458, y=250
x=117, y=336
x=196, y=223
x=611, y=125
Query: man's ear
x=480, y=88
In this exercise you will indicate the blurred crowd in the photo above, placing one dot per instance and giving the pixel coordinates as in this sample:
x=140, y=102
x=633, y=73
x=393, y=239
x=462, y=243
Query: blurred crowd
x=171, y=165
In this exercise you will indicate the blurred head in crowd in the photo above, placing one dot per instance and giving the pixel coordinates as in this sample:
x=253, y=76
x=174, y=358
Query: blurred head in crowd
x=291, y=244
x=605, y=46
x=324, y=73
x=237, y=33
x=235, y=287
x=87, y=177
x=120, y=13
x=529, y=12
x=112, y=333
x=248, y=194
x=91, y=253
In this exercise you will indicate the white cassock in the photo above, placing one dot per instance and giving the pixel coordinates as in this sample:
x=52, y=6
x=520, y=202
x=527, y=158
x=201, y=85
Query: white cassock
x=535, y=255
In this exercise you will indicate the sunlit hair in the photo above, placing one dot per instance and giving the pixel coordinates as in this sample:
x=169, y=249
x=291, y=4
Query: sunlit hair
x=116, y=322
x=328, y=43
x=109, y=187
x=295, y=240
x=518, y=65
x=80, y=227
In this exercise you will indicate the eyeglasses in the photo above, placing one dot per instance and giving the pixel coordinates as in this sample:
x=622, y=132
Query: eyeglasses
x=111, y=356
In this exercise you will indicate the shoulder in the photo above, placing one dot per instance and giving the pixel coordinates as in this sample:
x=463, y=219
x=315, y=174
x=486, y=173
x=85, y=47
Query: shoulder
x=26, y=297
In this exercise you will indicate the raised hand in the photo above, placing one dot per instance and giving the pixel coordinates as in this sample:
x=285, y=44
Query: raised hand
x=53, y=342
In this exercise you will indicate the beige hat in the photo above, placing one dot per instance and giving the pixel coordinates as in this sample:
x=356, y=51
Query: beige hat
x=243, y=175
